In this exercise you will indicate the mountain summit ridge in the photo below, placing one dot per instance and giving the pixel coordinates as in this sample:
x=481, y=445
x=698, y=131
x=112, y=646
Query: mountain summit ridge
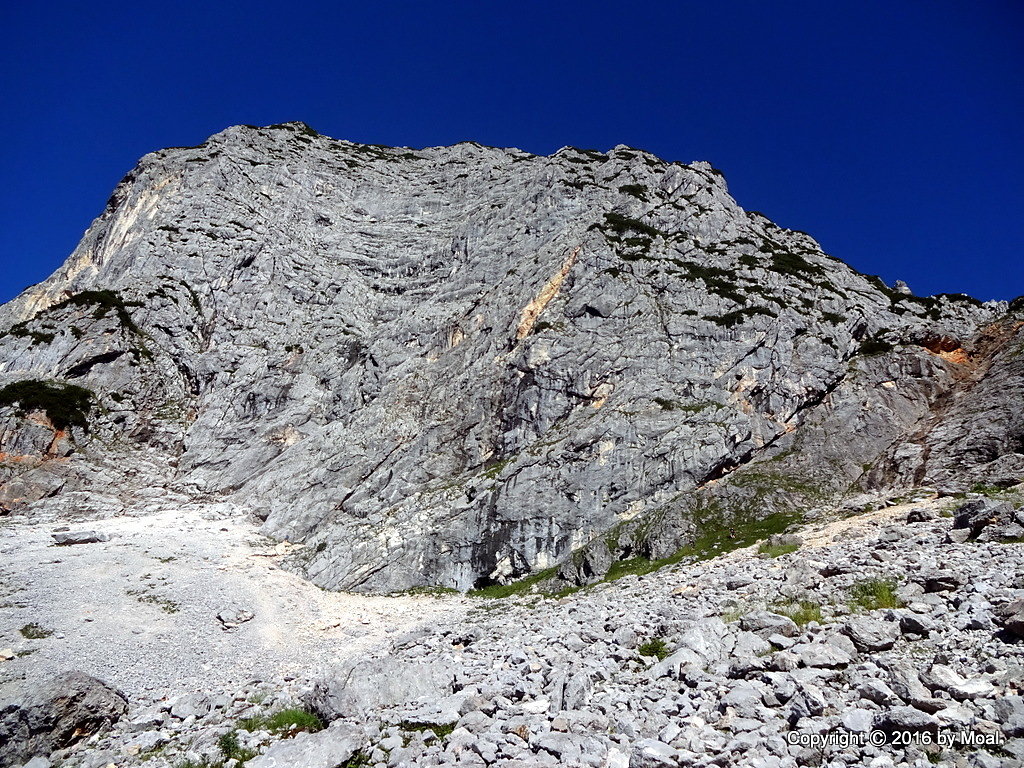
x=461, y=365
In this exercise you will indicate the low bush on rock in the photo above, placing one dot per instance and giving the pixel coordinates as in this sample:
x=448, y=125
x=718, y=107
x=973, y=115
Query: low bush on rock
x=66, y=405
x=655, y=647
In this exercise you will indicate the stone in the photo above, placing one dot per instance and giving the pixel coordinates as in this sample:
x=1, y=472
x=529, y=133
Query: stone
x=235, y=616
x=921, y=516
x=870, y=634
x=328, y=748
x=56, y=714
x=648, y=753
x=1009, y=712
x=70, y=538
x=1011, y=617
x=940, y=581
x=767, y=622
x=977, y=514
x=905, y=719
x=360, y=687
x=878, y=692
x=191, y=705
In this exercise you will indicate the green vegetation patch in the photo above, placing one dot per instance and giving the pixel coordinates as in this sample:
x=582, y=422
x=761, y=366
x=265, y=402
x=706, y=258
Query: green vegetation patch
x=873, y=345
x=523, y=586
x=440, y=730
x=731, y=319
x=66, y=405
x=872, y=594
x=105, y=301
x=801, y=612
x=715, y=538
x=35, y=631
x=620, y=225
x=656, y=647
x=22, y=331
x=291, y=721
x=232, y=750
x=639, y=191
x=777, y=550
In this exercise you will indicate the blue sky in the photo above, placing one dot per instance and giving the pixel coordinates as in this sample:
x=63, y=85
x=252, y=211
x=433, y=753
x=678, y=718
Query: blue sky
x=891, y=131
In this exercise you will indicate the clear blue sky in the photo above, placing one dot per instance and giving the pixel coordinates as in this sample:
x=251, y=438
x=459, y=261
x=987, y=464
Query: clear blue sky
x=892, y=131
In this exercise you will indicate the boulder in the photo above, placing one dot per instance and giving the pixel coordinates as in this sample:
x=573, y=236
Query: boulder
x=334, y=746
x=1011, y=617
x=70, y=538
x=978, y=514
x=56, y=714
x=369, y=686
x=871, y=634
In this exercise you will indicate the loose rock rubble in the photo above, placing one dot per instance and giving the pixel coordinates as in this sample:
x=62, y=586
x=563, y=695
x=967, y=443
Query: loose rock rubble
x=877, y=627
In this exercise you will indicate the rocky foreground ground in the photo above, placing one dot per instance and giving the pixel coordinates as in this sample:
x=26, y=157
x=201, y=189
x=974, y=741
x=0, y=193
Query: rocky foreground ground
x=881, y=638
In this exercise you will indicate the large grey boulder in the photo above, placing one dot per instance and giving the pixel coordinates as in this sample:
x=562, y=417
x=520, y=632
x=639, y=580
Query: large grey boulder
x=983, y=517
x=329, y=748
x=59, y=713
x=368, y=687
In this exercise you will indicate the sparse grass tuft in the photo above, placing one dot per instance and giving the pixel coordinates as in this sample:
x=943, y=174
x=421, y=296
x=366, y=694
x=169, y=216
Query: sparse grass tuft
x=777, y=550
x=871, y=594
x=802, y=612
x=285, y=721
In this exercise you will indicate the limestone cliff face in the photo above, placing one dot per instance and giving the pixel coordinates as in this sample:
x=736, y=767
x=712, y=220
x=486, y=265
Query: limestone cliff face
x=458, y=365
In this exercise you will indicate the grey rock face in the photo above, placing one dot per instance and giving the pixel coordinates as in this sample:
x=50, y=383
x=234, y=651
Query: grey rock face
x=458, y=365
x=68, y=709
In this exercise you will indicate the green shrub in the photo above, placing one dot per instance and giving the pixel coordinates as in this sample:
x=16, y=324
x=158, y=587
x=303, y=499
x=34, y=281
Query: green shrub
x=620, y=225
x=639, y=191
x=871, y=594
x=873, y=345
x=655, y=647
x=65, y=404
x=232, y=750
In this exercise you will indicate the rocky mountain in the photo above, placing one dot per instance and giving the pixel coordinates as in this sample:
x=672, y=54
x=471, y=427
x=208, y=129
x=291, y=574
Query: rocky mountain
x=462, y=366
